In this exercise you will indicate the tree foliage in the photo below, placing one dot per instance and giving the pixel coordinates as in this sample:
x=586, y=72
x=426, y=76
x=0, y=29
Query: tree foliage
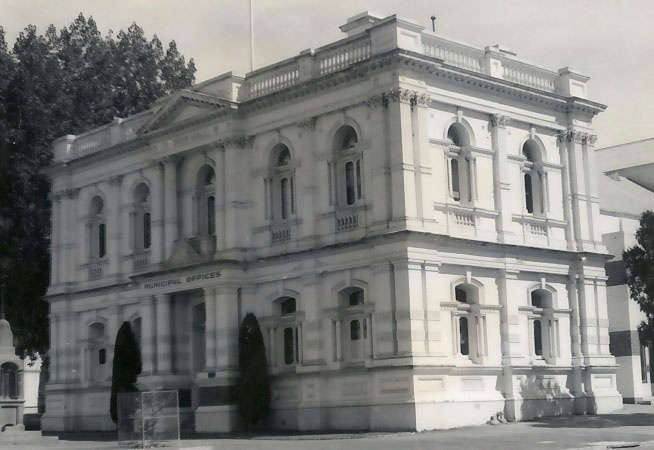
x=639, y=262
x=253, y=393
x=126, y=366
x=52, y=84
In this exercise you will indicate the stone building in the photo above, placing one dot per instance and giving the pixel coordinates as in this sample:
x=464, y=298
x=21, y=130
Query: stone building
x=414, y=221
x=626, y=191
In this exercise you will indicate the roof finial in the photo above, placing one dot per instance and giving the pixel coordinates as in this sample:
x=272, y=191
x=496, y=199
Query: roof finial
x=433, y=23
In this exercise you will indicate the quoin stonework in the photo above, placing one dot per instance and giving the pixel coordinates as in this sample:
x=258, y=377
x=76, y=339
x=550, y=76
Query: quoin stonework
x=414, y=222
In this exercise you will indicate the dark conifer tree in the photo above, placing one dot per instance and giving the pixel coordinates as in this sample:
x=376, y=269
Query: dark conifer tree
x=126, y=366
x=253, y=393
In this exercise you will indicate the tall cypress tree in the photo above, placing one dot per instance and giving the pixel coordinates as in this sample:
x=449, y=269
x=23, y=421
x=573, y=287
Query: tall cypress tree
x=126, y=366
x=253, y=393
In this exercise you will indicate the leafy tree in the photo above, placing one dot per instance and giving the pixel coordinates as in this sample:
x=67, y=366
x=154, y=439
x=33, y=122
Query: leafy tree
x=639, y=262
x=253, y=393
x=52, y=84
x=126, y=366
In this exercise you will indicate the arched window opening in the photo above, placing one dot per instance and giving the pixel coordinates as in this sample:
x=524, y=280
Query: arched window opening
x=9, y=385
x=280, y=185
x=285, y=335
x=535, y=179
x=97, y=229
x=206, y=201
x=461, y=165
x=141, y=219
x=544, y=326
x=469, y=324
x=96, y=351
x=352, y=326
x=348, y=167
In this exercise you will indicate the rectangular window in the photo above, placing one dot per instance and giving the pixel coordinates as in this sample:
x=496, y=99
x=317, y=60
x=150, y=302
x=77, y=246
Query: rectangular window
x=284, y=197
x=529, y=194
x=349, y=183
x=454, y=177
x=102, y=242
x=102, y=356
x=147, y=235
x=463, y=336
x=538, y=338
x=358, y=180
x=211, y=215
x=644, y=363
x=289, y=346
x=292, y=194
x=355, y=330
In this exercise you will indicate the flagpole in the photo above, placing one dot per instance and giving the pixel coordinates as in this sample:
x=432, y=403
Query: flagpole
x=251, y=38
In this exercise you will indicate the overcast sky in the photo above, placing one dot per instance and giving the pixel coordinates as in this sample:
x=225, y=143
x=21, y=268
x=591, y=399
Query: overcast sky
x=612, y=41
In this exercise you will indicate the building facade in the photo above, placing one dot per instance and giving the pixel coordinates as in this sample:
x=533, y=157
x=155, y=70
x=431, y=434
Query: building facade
x=413, y=221
x=626, y=191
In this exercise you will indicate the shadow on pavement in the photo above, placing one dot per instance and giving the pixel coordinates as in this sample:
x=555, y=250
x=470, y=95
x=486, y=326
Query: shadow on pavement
x=601, y=421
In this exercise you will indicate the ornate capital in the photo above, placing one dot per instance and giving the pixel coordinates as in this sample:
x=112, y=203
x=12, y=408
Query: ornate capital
x=308, y=124
x=71, y=194
x=498, y=120
x=377, y=100
x=589, y=138
x=571, y=136
x=240, y=142
x=116, y=180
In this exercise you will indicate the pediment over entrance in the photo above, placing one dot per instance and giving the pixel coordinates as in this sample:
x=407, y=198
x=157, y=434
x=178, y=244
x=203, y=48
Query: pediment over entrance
x=183, y=106
x=183, y=254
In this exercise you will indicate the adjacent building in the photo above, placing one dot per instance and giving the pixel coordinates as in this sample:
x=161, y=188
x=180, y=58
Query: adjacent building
x=626, y=190
x=414, y=221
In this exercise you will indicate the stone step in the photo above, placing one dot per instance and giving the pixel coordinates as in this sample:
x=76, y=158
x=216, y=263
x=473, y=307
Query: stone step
x=14, y=436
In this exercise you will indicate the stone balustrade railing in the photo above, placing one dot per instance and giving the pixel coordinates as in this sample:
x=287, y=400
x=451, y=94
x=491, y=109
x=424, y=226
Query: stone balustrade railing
x=384, y=36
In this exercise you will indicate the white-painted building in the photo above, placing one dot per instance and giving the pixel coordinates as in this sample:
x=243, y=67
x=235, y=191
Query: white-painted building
x=626, y=191
x=414, y=221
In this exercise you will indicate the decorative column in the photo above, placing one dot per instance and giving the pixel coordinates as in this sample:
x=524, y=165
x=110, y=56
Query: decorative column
x=419, y=103
x=210, y=328
x=148, y=342
x=384, y=320
x=163, y=337
x=170, y=202
x=115, y=234
x=55, y=245
x=227, y=330
x=567, y=198
x=68, y=244
x=220, y=206
x=157, y=210
x=501, y=177
x=578, y=186
x=311, y=343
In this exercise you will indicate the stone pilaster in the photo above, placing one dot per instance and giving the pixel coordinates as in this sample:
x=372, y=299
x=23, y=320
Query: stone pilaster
x=115, y=233
x=148, y=338
x=210, y=330
x=170, y=201
x=501, y=177
x=158, y=218
x=163, y=334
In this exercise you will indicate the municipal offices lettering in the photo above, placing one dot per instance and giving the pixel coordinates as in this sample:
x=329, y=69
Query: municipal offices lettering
x=179, y=281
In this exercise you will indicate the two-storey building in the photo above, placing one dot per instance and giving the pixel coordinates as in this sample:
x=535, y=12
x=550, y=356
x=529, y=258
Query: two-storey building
x=414, y=222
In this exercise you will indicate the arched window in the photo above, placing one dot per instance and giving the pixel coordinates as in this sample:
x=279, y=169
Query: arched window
x=347, y=167
x=468, y=324
x=141, y=219
x=285, y=334
x=280, y=184
x=96, y=353
x=205, y=201
x=544, y=327
x=97, y=229
x=461, y=165
x=352, y=326
x=535, y=179
x=9, y=385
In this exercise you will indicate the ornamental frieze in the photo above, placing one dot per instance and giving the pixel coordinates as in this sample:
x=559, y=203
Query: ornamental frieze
x=499, y=120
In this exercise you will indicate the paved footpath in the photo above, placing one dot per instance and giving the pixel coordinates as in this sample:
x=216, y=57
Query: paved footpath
x=631, y=427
